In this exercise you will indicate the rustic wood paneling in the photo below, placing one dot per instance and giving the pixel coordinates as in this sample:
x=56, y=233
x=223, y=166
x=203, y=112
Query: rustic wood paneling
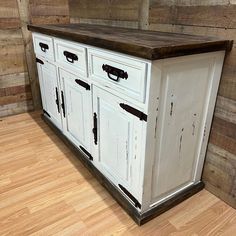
x=11, y=37
x=16, y=108
x=223, y=135
x=118, y=13
x=228, y=82
x=114, y=23
x=226, y=109
x=12, y=59
x=192, y=2
x=9, y=17
x=211, y=18
x=219, y=173
x=24, y=15
x=9, y=23
x=144, y=14
x=8, y=9
x=42, y=20
x=14, y=82
x=48, y=7
x=15, y=98
x=48, y=11
x=105, y=9
x=14, y=90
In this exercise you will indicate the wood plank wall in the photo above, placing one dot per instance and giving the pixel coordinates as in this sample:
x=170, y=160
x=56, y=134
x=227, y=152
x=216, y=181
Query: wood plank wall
x=15, y=93
x=123, y=13
x=19, y=89
x=199, y=17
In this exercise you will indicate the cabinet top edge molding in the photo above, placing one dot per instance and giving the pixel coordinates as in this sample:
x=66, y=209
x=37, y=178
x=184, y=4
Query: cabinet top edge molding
x=151, y=45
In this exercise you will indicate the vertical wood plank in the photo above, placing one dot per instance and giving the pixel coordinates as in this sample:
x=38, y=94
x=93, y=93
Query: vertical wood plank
x=15, y=93
x=121, y=13
x=23, y=7
x=144, y=14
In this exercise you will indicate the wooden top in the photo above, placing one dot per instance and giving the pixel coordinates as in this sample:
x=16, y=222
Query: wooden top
x=151, y=45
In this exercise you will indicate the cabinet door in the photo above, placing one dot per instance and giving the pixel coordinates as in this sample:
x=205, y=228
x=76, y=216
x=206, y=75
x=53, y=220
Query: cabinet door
x=119, y=142
x=48, y=79
x=78, y=109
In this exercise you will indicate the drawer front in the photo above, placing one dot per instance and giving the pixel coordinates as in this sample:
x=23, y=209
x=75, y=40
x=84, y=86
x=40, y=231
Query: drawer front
x=71, y=55
x=43, y=46
x=121, y=73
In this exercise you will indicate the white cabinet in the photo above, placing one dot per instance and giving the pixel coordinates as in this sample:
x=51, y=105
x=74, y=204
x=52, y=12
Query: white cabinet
x=118, y=146
x=77, y=112
x=143, y=124
x=49, y=85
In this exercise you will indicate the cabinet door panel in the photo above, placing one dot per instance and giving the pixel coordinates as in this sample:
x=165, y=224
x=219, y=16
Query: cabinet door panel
x=75, y=118
x=120, y=148
x=48, y=78
x=114, y=140
x=78, y=105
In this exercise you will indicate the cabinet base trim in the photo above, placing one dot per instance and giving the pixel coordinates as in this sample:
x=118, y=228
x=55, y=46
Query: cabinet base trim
x=87, y=153
x=139, y=218
x=171, y=202
x=45, y=112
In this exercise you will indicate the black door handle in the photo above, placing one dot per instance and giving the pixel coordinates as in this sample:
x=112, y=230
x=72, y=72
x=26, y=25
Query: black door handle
x=70, y=57
x=95, y=128
x=63, y=104
x=118, y=73
x=57, y=101
x=43, y=47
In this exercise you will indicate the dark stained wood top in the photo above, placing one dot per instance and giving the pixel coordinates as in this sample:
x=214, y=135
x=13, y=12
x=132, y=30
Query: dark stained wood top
x=151, y=45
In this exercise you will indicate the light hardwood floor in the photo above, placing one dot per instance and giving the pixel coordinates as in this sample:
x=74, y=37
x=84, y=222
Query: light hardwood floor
x=45, y=190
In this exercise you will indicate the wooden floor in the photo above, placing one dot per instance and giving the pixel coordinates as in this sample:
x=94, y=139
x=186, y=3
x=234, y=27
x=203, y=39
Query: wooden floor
x=45, y=190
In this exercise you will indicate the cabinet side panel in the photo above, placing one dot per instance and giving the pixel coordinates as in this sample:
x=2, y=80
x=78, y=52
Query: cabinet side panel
x=185, y=93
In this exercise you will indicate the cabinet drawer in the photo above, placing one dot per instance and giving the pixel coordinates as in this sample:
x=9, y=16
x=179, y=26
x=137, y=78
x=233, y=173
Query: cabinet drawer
x=43, y=46
x=119, y=72
x=71, y=55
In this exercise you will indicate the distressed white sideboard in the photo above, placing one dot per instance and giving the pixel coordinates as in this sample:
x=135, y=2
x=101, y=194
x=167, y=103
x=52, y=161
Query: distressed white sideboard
x=143, y=124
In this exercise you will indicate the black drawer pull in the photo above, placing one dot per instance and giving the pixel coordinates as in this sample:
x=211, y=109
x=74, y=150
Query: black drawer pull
x=43, y=47
x=70, y=57
x=118, y=73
